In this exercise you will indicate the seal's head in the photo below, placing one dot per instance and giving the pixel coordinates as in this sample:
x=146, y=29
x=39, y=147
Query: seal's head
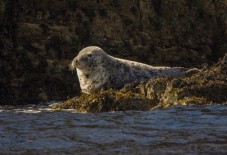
x=88, y=59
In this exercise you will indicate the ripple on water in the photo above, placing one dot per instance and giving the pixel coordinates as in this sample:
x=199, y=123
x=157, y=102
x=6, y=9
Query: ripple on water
x=38, y=129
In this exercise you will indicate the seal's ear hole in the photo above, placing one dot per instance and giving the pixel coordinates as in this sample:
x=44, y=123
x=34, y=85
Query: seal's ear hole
x=89, y=55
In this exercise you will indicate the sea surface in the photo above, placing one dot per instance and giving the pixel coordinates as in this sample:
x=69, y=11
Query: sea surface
x=176, y=130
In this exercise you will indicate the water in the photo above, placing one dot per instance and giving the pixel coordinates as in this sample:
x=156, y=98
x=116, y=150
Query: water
x=176, y=130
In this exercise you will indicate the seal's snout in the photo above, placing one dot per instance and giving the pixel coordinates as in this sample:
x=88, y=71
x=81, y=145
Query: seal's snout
x=76, y=62
x=73, y=64
x=71, y=67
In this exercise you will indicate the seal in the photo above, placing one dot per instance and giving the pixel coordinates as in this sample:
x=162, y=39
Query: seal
x=97, y=70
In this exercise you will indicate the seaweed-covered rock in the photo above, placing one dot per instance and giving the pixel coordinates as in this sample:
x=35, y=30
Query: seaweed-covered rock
x=208, y=86
x=109, y=100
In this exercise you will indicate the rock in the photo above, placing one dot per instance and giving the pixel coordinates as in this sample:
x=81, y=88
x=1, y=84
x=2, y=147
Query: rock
x=35, y=33
x=223, y=64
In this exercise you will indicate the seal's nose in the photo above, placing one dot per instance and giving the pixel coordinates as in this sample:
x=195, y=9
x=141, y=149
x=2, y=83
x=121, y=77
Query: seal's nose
x=76, y=61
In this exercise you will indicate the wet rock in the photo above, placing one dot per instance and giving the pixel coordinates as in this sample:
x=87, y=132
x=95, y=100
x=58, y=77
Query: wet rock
x=103, y=101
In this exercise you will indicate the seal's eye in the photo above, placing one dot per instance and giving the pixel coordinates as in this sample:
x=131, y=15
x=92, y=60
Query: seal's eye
x=89, y=55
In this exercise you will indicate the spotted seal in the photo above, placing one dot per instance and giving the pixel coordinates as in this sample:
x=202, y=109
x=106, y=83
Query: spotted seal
x=97, y=70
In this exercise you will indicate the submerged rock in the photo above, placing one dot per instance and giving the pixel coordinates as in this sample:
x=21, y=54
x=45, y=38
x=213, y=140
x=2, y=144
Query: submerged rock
x=209, y=86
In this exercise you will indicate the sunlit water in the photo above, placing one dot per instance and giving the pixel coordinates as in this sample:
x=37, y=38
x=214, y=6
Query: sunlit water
x=176, y=130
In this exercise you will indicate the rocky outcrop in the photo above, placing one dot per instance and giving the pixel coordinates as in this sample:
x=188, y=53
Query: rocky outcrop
x=39, y=38
x=209, y=86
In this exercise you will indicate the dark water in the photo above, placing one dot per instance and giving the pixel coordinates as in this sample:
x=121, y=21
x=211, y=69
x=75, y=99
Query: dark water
x=176, y=130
